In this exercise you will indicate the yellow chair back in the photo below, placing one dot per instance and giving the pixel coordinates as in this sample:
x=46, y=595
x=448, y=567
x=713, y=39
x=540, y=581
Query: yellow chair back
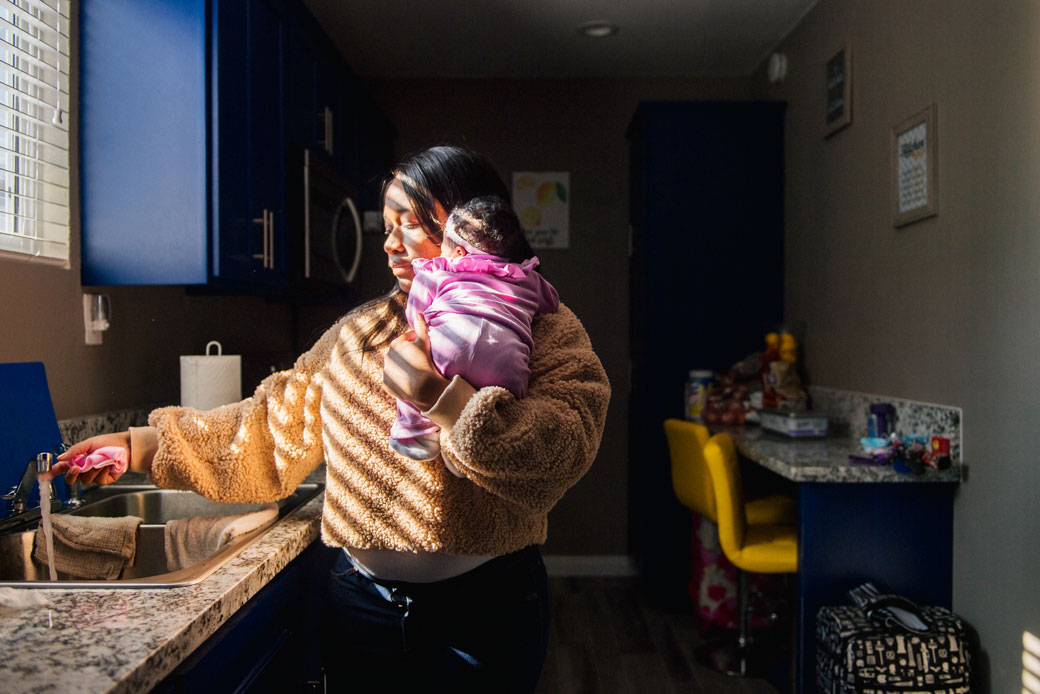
x=724, y=470
x=690, y=480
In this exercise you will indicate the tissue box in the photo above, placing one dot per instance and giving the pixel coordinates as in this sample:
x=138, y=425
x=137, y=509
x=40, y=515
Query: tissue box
x=794, y=423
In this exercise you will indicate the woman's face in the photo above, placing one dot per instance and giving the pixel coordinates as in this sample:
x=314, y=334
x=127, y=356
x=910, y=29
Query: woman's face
x=406, y=240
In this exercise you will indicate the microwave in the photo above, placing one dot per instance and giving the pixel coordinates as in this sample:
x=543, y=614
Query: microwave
x=331, y=225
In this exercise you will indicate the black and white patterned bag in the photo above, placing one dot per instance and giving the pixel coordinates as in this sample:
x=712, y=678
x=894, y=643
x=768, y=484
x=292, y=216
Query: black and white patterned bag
x=880, y=654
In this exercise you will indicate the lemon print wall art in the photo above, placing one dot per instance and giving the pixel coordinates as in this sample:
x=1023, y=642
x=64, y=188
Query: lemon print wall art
x=541, y=200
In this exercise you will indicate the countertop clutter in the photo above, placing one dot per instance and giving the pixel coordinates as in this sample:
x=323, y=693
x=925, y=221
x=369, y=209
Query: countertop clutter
x=820, y=460
x=827, y=459
x=128, y=640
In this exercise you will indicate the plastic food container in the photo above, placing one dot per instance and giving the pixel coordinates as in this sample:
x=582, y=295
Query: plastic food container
x=796, y=424
x=698, y=386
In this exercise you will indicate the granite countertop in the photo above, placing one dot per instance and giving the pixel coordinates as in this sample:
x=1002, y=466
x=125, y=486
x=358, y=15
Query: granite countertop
x=127, y=640
x=820, y=460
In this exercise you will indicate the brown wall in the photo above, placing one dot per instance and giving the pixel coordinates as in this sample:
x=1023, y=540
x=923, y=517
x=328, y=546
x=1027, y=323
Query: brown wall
x=944, y=310
x=137, y=365
x=576, y=126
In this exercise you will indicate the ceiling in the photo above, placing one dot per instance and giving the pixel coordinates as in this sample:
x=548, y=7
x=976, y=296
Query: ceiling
x=540, y=38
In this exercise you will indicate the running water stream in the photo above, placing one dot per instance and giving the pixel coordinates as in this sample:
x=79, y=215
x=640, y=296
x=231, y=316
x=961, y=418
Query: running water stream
x=45, y=519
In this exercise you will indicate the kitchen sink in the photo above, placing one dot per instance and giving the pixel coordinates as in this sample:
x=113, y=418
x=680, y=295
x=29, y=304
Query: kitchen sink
x=156, y=507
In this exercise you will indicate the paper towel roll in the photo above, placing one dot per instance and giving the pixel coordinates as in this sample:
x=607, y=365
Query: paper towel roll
x=209, y=381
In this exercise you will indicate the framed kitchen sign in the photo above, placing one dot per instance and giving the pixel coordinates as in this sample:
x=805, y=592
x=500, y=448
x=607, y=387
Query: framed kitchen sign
x=839, y=90
x=915, y=168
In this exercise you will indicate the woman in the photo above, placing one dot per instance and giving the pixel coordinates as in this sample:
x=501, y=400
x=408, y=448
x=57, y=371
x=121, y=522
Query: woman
x=440, y=585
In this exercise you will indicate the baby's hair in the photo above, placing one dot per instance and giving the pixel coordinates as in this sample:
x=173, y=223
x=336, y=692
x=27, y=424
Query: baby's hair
x=490, y=224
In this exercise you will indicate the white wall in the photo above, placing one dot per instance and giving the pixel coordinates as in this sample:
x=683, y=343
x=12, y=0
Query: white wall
x=945, y=310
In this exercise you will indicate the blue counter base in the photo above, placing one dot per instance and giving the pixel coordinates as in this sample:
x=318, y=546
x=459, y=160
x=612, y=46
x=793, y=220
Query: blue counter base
x=899, y=536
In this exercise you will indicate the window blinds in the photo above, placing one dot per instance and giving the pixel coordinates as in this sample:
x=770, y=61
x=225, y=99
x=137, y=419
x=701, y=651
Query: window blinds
x=34, y=130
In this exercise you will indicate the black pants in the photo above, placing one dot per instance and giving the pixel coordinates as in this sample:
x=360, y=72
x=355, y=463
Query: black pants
x=483, y=631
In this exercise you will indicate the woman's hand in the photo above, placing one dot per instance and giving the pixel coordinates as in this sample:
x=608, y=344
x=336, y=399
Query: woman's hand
x=408, y=370
x=104, y=475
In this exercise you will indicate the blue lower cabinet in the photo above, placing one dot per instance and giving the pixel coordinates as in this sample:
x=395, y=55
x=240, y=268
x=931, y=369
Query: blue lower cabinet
x=271, y=644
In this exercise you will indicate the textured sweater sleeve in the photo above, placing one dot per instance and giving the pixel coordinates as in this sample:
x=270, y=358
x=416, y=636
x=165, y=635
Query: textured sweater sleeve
x=256, y=450
x=529, y=451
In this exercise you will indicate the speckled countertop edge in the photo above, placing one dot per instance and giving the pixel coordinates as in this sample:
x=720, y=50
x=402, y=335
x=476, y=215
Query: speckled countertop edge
x=127, y=640
x=821, y=460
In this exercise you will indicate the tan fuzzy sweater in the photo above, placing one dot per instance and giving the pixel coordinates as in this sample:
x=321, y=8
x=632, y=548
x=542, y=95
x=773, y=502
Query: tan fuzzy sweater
x=516, y=457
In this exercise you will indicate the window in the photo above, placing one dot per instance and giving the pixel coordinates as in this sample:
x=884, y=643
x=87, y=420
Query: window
x=34, y=130
x=1030, y=663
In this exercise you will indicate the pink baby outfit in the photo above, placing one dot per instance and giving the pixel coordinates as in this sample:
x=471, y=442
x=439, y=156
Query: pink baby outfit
x=478, y=309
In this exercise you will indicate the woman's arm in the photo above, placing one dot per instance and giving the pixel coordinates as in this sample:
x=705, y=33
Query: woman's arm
x=256, y=450
x=531, y=450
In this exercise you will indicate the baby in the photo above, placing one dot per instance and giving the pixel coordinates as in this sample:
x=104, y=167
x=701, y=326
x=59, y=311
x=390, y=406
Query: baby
x=478, y=306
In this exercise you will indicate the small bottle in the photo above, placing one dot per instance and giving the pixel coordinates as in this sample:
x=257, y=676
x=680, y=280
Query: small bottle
x=788, y=347
x=698, y=386
x=770, y=399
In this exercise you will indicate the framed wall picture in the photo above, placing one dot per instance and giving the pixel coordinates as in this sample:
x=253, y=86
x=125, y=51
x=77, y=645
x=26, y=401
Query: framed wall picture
x=541, y=200
x=839, y=90
x=915, y=168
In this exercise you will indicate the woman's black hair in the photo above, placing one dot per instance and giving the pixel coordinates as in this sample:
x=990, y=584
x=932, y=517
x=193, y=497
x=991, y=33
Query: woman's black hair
x=447, y=175
x=450, y=176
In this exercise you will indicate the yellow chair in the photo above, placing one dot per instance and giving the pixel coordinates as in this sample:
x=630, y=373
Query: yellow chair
x=761, y=548
x=692, y=485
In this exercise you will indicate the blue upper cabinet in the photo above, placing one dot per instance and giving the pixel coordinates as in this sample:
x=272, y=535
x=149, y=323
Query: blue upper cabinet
x=247, y=82
x=143, y=142
x=190, y=111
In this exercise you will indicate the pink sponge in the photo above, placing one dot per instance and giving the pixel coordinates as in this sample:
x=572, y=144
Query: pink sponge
x=102, y=457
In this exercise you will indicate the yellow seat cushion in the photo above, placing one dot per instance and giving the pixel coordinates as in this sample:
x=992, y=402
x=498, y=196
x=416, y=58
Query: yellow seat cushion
x=769, y=549
x=759, y=548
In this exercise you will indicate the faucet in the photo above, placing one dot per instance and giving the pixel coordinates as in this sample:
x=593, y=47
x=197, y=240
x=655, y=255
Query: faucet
x=19, y=494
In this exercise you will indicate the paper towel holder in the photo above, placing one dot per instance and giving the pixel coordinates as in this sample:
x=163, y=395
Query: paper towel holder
x=212, y=379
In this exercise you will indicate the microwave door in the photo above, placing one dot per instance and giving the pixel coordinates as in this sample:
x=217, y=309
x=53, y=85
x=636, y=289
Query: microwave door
x=332, y=225
x=346, y=226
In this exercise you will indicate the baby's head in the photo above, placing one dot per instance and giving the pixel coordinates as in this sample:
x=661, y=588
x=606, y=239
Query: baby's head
x=485, y=226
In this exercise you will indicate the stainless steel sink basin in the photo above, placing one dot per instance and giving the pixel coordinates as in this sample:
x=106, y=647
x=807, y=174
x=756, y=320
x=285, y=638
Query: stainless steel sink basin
x=155, y=507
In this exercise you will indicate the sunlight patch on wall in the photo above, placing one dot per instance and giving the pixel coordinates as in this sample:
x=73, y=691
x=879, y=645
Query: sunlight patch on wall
x=1030, y=663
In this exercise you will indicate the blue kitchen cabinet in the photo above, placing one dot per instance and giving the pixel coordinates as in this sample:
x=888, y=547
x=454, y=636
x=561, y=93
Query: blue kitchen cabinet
x=181, y=142
x=302, y=60
x=192, y=117
x=144, y=142
x=271, y=644
x=249, y=239
x=706, y=283
x=336, y=97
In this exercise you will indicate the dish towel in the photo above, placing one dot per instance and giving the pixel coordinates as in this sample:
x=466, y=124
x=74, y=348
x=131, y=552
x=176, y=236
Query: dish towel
x=190, y=540
x=90, y=547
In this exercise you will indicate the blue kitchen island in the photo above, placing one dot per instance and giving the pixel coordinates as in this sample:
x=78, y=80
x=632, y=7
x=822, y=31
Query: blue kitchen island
x=857, y=523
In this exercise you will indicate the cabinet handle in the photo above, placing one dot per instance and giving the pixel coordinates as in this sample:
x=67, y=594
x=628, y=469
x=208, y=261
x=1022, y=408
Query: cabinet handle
x=328, y=130
x=263, y=222
x=270, y=242
x=267, y=230
x=307, y=213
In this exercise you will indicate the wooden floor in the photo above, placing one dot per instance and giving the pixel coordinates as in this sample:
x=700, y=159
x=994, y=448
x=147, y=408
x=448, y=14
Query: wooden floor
x=607, y=639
